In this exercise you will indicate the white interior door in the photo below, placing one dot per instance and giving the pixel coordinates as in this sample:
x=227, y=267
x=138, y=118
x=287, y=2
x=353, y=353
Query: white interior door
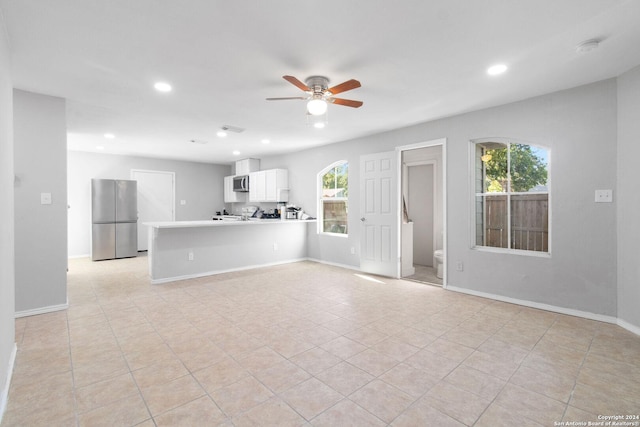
x=156, y=201
x=379, y=214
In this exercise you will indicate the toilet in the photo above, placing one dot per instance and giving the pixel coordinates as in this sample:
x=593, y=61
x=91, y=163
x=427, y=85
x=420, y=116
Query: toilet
x=438, y=258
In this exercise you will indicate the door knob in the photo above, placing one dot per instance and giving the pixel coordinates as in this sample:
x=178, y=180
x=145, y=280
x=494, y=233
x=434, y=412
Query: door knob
x=363, y=219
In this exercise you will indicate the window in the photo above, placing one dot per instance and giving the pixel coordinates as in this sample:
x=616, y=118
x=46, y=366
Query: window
x=511, y=196
x=334, y=190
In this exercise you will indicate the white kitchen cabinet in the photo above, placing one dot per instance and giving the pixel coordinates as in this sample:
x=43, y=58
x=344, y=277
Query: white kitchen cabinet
x=231, y=196
x=257, y=186
x=271, y=185
x=246, y=166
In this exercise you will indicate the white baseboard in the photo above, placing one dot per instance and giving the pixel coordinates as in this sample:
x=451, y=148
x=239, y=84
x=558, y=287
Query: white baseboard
x=547, y=307
x=5, y=390
x=214, y=272
x=42, y=310
x=335, y=264
x=540, y=306
x=628, y=326
x=79, y=256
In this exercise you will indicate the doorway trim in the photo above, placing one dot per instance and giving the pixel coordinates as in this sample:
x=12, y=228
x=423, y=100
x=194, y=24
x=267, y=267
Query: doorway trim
x=430, y=143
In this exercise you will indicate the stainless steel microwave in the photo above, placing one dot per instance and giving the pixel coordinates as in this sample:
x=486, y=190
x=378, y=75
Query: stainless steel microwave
x=241, y=183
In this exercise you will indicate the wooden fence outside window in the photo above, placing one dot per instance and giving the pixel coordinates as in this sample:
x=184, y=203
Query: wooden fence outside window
x=529, y=222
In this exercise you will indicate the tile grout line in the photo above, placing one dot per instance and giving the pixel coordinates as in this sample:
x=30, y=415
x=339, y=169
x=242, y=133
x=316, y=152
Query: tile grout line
x=76, y=415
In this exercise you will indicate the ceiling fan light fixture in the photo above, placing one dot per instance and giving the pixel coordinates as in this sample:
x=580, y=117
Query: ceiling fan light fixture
x=317, y=106
x=318, y=122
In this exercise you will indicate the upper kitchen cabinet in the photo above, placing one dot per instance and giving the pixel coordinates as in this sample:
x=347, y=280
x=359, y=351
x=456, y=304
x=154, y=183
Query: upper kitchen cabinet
x=231, y=196
x=269, y=186
x=246, y=166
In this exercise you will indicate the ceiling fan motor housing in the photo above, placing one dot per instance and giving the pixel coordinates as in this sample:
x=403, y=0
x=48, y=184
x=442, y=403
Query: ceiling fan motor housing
x=319, y=93
x=318, y=84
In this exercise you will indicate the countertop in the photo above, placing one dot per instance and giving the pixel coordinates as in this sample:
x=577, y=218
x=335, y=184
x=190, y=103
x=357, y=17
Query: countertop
x=224, y=223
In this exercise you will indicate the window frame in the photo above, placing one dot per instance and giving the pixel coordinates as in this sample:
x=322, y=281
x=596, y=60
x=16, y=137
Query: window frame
x=321, y=199
x=474, y=194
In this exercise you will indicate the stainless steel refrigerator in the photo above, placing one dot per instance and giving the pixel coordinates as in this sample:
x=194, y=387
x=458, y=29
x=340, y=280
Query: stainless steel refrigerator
x=114, y=217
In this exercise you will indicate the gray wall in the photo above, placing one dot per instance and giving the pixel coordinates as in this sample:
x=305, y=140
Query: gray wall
x=199, y=184
x=628, y=197
x=40, y=163
x=7, y=277
x=578, y=126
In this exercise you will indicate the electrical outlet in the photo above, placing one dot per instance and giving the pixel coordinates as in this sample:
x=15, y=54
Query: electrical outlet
x=604, y=196
x=459, y=266
x=183, y=202
x=190, y=256
x=45, y=198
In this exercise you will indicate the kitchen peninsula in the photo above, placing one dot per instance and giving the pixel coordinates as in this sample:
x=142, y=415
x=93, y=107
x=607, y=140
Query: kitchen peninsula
x=187, y=249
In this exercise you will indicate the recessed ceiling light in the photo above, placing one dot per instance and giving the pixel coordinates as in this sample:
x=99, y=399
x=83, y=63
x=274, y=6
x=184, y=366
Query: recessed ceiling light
x=236, y=153
x=162, y=87
x=265, y=141
x=109, y=135
x=496, y=69
x=221, y=134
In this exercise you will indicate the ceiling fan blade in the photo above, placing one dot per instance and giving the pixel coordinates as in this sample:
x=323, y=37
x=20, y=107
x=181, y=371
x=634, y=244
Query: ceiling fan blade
x=343, y=87
x=289, y=97
x=297, y=83
x=346, y=102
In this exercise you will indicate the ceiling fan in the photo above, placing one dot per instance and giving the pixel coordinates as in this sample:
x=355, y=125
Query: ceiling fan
x=319, y=93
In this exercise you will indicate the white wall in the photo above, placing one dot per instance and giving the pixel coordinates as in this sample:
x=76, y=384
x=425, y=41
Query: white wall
x=7, y=276
x=199, y=184
x=40, y=144
x=579, y=128
x=222, y=246
x=627, y=198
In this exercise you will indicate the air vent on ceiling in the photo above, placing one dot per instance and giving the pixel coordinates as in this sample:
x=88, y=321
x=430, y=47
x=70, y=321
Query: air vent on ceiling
x=232, y=129
x=199, y=141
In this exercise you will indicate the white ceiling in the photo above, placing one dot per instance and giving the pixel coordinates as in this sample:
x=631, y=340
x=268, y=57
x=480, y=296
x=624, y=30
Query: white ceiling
x=417, y=61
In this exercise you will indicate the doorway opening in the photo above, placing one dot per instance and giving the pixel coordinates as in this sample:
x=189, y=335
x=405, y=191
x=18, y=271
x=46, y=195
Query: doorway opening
x=156, y=200
x=423, y=231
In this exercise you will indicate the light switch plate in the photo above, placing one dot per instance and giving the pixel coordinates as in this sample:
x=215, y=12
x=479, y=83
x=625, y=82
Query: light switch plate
x=604, y=196
x=45, y=198
x=183, y=202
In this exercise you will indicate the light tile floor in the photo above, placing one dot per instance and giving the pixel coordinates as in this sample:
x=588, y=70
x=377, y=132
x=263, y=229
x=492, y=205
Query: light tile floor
x=425, y=274
x=308, y=344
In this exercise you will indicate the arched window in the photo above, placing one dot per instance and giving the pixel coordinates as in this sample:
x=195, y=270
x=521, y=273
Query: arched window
x=511, y=203
x=333, y=184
